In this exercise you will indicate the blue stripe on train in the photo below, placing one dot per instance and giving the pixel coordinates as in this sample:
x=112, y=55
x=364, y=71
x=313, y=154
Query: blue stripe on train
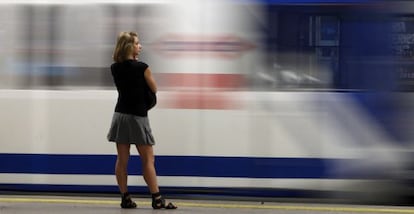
x=192, y=192
x=203, y=166
x=312, y=1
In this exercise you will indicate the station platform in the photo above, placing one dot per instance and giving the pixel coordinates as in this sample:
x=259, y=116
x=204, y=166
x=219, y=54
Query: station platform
x=48, y=204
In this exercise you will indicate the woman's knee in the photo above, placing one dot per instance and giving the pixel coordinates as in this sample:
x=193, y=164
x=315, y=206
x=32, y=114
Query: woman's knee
x=122, y=161
x=147, y=160
x=123, y=153
x=146, y=154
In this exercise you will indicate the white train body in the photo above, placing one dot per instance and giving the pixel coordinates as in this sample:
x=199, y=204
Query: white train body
x=272, y=143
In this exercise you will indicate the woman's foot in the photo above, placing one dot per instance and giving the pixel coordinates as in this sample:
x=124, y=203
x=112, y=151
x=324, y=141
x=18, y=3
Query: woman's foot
x=158, y=202
x=126, y=201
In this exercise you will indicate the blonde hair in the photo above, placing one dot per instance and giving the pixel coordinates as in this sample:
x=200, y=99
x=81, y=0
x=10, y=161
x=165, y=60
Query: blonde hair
x=124, y=46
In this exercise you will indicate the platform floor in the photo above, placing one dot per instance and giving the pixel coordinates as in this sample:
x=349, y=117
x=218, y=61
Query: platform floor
x=40, y=204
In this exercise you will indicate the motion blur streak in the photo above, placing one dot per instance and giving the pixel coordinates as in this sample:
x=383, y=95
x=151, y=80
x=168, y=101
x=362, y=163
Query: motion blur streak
x=265, y=98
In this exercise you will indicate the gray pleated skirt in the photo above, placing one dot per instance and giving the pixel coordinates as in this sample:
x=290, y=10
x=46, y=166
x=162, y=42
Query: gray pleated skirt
x=130, y=129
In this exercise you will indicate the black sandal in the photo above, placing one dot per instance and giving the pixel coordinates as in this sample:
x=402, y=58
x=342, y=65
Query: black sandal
x=127, y=202
x=158, y=202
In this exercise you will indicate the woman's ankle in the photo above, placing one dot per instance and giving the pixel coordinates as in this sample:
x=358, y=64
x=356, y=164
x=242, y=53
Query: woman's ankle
x=156, y=195
x=125, y=195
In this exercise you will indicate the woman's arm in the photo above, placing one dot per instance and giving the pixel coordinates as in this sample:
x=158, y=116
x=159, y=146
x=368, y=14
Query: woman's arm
x=150, y=80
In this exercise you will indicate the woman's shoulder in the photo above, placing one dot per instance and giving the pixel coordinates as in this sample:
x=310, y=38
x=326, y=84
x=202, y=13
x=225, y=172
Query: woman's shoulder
x=129, y=64
x=141, y=64
x=115, y=66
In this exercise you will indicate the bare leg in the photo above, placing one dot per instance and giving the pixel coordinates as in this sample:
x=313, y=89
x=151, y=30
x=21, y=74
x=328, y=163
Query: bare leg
x=146, y=154
x=121, y=166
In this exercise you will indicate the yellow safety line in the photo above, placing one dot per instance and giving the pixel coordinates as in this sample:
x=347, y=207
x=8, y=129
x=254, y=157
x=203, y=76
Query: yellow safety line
x=218, y=205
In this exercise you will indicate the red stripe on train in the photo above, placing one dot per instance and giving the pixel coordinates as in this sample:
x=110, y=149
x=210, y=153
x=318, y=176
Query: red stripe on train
x=200, y=100
x=197, y=80
x=200, y=91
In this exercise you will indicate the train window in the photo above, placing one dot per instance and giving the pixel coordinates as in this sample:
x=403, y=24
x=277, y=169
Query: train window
x=8, y=21
x=85, y=51
x=327, y=31
x=34, y=44
x=403, y=49
x=327, y=46
x=306, y=49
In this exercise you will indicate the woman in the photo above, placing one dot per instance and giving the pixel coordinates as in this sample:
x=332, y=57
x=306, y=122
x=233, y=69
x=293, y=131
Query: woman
x=130, y=124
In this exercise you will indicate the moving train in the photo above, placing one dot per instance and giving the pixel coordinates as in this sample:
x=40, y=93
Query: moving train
x=257, y=99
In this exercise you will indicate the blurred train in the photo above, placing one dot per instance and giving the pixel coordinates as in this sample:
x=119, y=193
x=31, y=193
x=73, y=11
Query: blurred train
x=257, y=98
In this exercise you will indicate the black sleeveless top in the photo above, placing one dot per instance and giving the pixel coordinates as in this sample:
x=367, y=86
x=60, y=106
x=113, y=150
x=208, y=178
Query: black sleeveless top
x=131, y=85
